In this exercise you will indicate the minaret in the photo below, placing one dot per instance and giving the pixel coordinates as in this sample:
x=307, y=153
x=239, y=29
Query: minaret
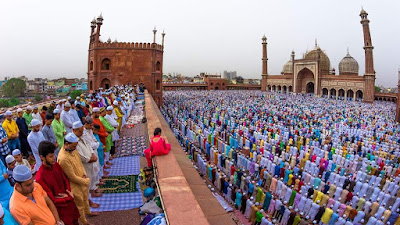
x=264, y=64
x=163, y=35
x=154, y=36
x=293, y=55
x=99, y=23
x=369, y=88
x=92, y=26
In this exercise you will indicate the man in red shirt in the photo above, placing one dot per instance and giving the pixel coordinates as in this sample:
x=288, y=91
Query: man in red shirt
x=53, y=180
x=43, y=113
x=102, y=132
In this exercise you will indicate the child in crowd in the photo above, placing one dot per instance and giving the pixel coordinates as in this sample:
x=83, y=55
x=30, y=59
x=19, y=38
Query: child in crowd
x=19, y=160
x=158, y=146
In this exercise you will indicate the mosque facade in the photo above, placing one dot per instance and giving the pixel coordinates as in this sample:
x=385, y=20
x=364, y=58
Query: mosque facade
x=118, y=63
x=313, y=73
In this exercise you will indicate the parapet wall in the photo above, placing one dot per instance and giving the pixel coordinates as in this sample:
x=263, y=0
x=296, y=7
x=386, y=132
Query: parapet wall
x=186, y=198
x=127, y=45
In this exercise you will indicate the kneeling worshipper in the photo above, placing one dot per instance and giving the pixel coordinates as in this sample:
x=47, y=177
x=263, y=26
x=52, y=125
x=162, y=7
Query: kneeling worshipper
x=158, y=146
x=29, y=203
x=55, y=183
x=70, y=161
x=6, y=217
x=5, y=186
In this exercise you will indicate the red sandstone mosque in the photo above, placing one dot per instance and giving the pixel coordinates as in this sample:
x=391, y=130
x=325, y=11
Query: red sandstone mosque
x=313, y=73
x=117, y=63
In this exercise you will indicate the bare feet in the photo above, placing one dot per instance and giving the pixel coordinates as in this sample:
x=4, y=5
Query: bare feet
x=94, y=194
x=93, y=214
x=93, y=205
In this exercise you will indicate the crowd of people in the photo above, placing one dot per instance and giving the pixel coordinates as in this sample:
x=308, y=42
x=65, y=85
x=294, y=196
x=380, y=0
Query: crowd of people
x=54, y=157
x=293, y=159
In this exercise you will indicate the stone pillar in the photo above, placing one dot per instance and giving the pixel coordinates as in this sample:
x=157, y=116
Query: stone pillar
x=264, y=81
x=337, y=94
x=345, y=96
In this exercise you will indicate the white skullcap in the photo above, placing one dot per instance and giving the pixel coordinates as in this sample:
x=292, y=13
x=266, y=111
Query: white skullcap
x=35, y=122
x=19, y=110
x=77, y=124
x=56, y=111
x=110, y=108
x=29, y=107
x=10, y=159
x=16, y=152
x=8, y=113
x=78, y=97
x=35, y=107
x=69, y=97
x=115, y=102
x=22, y=173
x=96, y=109
x=71, y=138
x=67, y=104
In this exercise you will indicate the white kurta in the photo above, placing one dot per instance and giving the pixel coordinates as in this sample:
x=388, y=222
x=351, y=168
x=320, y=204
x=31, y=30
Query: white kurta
x=92, y=169
x=68, y=120
x=34, y=139
x=114, y=123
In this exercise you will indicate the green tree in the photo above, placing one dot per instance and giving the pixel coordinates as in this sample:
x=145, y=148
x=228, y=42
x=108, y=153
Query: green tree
x=377, y=89
x=14, y=101
x=14, y=87
x=38, y=97
x=4, y=103
x=75, y=93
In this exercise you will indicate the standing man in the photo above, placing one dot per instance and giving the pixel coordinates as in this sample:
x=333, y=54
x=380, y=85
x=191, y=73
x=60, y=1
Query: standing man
x=73, y=112
x=118, y=114
x=109, y=129
x=52, y=107
x=28, y=117
x=29, y=203
x=43, y=113
x=70, y=161
x=4, y=149
x=67, y=118
x=36, y=114
x=34, y=139
x=89, y=159
x=56, y=184
x=48, y=132
x=23, y=134
x=12, y=130
x=114, y=123
x=58, y=128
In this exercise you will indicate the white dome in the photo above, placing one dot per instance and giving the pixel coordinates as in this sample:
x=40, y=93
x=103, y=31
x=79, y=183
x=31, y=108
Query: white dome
x=348, y=65
x=288, y=67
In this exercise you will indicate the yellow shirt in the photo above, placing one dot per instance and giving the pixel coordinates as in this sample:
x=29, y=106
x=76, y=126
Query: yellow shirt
x=10, y=127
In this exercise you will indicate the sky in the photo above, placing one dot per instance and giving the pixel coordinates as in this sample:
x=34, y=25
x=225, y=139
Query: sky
x=50, y=38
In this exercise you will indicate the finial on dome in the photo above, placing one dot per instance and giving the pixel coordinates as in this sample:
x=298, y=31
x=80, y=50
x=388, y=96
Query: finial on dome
x=109, y=40
x=264, y=38
x=316, y=43
x=347, y=50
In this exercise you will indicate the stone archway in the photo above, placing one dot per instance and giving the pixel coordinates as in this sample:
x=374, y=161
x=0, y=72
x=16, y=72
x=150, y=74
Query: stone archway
x=359, y=95
x=279, y=88
x=290, y=89
x=333, y=93
x=341, y=94
x=284, y=89
x=273, y=88
x=105, y=83
x=310, y=88
x=350, y=95
x=304, y=77
x=217, y=87
x=325, y=92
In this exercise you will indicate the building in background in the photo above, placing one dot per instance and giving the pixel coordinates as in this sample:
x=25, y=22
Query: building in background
x=118, y=63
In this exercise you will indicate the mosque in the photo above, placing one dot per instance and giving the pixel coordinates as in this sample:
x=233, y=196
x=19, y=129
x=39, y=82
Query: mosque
x=314, y=73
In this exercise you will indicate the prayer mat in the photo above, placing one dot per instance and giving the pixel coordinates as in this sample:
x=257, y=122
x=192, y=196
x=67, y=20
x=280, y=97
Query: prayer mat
x=129, y=165
x=132, y=146
x=119, y=184
x=118, y=201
